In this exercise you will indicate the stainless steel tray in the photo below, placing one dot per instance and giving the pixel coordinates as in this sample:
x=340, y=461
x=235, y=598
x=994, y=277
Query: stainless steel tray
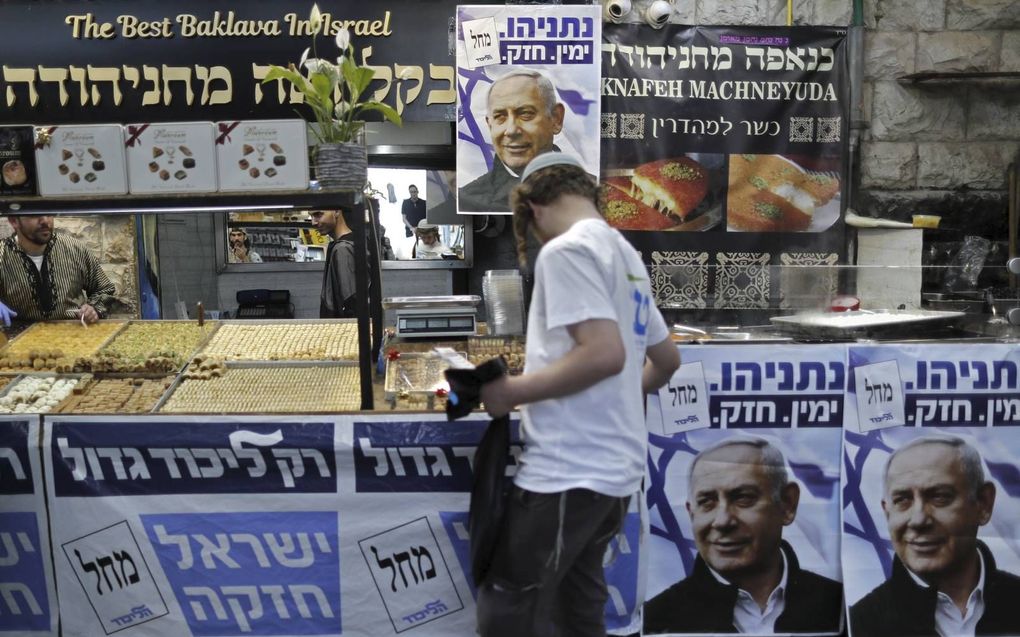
x=864, y=322
x=425, y=302
x=396, y=381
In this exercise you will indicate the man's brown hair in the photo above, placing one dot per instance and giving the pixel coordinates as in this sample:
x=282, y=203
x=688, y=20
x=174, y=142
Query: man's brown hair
x=544, y=187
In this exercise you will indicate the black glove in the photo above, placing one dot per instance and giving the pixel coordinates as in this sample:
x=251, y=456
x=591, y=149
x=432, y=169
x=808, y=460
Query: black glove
x=466, y=386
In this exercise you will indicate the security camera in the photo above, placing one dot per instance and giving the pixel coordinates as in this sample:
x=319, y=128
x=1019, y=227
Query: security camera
x=616, y=10
x=657, y=14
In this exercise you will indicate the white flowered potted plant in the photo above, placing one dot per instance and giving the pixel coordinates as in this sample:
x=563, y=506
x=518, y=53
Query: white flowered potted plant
x=335, y=93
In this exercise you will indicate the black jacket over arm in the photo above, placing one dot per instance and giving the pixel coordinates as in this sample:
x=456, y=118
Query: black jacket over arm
x=900, y=607
x=703, y=604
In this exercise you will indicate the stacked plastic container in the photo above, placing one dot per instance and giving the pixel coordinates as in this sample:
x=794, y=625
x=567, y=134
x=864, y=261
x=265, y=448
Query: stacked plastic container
x=504, y=301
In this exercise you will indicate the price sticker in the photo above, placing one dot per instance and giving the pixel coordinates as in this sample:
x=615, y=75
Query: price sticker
x=684, y=400
x=481, y=42
x=879, y=396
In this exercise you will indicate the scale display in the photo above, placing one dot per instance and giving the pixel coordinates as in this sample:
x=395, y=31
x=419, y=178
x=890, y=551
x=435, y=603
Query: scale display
x=435, y=323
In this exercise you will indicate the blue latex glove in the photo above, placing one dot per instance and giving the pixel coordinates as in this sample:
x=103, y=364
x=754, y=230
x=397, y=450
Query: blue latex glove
x=6, y=314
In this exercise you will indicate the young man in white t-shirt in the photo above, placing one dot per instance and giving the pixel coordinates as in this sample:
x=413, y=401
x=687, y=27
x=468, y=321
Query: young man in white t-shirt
x=596, y=345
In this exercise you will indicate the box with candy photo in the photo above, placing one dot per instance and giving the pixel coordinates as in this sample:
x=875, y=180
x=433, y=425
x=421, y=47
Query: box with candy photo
x=17, y=161
x=262, y=155
x=170, y=157
x=80, y=160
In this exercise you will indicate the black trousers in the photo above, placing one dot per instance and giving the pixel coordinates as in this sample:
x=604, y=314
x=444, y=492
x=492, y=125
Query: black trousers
x=547, y=578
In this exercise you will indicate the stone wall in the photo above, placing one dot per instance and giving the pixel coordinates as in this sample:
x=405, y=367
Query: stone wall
x=938, y=147
x=112, y=239
x=941, y=146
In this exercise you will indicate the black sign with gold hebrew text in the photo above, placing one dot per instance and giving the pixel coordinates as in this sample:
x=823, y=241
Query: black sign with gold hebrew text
x=145, y=60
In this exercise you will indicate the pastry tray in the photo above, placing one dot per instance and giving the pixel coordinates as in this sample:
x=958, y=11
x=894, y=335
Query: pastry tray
x=231, y=364
x=211, y=327
x=41, y=326
x=398, y=382
x=101, y=376
x=272, y=322
x=43, y=374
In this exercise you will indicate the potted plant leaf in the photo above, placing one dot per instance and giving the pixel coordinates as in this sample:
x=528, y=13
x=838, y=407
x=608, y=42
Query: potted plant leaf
x=335, y=93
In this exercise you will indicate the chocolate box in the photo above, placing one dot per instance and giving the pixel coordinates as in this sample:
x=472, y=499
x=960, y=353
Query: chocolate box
x=262, y=155
x=80, y=160
x=170, y=157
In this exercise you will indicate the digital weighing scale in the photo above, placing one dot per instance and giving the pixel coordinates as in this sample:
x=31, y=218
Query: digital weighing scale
x=427, y=316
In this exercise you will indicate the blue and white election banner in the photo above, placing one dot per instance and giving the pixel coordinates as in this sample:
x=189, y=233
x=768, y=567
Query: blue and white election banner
x=352, y=525
x=752, y=484
x=27, y=596
x=188, y=526
x=527, y=82
x=914, y=481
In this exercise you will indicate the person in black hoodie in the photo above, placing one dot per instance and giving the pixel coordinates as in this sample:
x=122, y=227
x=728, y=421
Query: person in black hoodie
x=944, y=580
x=746, y=578
x=337, y=297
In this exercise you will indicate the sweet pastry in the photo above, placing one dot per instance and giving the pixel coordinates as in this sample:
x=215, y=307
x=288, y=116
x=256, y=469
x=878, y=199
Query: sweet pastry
x=156, y=151
x=821, y=187
x=14, y=173
x=282, y=389
x=55, y=346
x=185, y=150
x=764, y=211
x=627, y=213
x=95, y=153
x=675, y=186
x=189, y=162
x=759, y=184
x=318, y=341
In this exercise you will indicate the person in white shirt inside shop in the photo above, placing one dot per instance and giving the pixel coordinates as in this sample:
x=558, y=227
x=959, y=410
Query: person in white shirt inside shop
x=429, y=245
x=944, y=580
x=746, y=578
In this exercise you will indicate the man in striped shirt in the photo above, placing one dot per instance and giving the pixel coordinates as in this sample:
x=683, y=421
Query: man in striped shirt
x=49, y=276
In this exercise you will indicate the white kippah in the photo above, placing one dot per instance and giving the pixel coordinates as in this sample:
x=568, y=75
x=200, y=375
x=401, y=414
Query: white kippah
x=552, y=158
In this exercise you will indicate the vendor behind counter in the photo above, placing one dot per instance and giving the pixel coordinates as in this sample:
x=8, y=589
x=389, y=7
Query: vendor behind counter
x=46, y=275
